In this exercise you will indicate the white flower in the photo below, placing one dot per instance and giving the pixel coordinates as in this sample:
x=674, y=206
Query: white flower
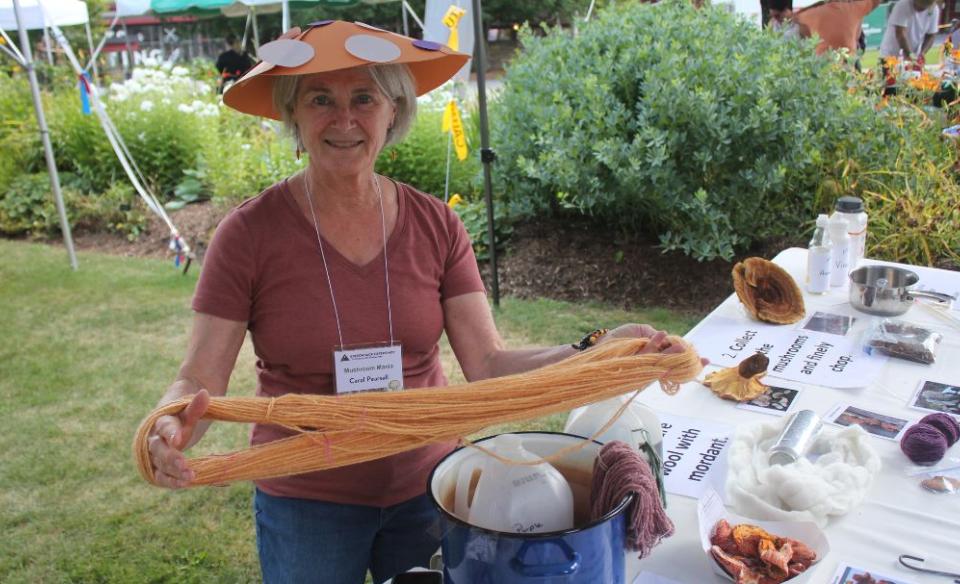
x=185, y=108
x=146, y=105
x=179, y=71
x=244, y=147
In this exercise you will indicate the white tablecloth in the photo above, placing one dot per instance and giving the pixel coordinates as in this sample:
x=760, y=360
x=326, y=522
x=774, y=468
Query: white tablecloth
x=898, y=517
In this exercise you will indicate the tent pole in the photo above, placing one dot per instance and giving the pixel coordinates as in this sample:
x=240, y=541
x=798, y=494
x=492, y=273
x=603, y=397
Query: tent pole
x=286, y=15
x=487, y=155
x=246, y=33
x=45, y=136
x=256, y=33
x=10, y=49
x=103, y=41
x=46, y=46
x=93, y=59
x=126, y=41
x=406, y=22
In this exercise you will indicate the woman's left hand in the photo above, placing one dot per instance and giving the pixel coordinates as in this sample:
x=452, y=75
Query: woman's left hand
x=658, y=339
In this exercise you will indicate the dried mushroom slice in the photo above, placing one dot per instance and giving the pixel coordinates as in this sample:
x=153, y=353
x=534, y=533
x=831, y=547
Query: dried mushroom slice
x=740, y=383
x=767, y=291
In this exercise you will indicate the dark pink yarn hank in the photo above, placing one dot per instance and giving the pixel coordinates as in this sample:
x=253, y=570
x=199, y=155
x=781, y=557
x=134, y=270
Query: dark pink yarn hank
x=618, y=471
x=946, y=424
x=923, y=444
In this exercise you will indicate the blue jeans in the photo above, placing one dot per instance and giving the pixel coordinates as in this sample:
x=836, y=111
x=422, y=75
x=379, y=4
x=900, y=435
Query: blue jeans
x=302, y=541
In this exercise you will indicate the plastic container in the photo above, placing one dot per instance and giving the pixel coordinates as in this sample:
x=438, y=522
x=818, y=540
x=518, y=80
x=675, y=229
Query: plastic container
x=818, y=258
x=512, y=498
x=637, y=425
x=840, y=251
x=851, y=209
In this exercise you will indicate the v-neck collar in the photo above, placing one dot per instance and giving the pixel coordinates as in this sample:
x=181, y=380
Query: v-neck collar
x=330, y=251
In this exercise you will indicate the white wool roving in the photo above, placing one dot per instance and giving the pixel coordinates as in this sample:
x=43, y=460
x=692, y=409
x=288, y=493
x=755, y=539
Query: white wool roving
x=832, y=484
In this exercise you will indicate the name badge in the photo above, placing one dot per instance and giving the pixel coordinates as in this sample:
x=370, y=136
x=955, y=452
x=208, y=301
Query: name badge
x=368, y=368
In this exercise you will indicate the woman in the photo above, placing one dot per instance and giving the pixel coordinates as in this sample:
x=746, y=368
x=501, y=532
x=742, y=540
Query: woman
x=334, y=258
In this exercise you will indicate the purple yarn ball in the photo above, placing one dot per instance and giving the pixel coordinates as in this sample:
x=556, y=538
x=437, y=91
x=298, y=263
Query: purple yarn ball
x=946, y=424
x=923, y=444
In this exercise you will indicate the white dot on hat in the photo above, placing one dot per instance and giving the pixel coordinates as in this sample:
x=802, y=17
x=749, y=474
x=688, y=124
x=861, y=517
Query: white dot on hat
x=286, y=52
x=371, y=48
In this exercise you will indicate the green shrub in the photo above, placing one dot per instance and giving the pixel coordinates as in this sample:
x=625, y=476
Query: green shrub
x=163, y=116
x=246, y=155
x=118, y=209
x=22, y=152
x=27, y=207
x=691, y=124
x=473, y=213
x=420, y=160
x=909, y=189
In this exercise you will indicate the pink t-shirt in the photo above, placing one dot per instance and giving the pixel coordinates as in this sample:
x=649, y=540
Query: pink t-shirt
x=264, y=267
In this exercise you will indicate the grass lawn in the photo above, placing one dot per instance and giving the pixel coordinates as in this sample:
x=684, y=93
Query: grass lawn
x=83, y=357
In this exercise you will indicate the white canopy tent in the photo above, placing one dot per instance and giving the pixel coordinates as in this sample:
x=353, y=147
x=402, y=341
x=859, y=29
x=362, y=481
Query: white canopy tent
x=33, y=17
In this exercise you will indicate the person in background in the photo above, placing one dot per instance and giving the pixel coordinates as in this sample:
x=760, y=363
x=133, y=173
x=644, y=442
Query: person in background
x=782, y=21
x=911, y=28
x=232, y=63
x=837, y=23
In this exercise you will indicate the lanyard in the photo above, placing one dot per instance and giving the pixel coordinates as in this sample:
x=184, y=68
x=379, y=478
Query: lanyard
x=326, y=270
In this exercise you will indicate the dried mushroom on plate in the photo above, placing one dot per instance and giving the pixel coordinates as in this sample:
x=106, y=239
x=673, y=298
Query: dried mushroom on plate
x=767, y=291
x=751, y=555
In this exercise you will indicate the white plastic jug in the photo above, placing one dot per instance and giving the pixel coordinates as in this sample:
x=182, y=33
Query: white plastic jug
x=512, y=498
x=586, y=420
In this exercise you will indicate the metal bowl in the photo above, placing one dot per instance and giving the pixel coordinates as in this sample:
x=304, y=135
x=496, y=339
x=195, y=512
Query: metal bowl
x=884, y=290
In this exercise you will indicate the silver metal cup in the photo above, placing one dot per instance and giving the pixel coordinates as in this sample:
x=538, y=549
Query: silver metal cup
x=796, y=437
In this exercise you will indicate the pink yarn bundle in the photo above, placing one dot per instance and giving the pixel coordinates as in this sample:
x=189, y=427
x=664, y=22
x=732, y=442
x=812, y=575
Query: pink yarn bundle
x=927, y=441
x=619, y=471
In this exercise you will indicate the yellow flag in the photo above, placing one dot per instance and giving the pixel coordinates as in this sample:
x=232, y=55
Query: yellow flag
x=453, y=41
x=453, y=16
x=450, y=20
x=456, y=128
x=445, y=122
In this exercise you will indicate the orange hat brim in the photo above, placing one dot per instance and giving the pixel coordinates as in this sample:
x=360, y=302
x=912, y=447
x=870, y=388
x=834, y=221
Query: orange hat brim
x=253, y=94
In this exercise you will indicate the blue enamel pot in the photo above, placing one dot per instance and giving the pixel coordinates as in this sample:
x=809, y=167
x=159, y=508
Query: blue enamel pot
x=590, y=553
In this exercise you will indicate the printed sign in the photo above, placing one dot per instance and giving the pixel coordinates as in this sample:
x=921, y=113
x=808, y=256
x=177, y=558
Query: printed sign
x=795, y=355
x=694, y=454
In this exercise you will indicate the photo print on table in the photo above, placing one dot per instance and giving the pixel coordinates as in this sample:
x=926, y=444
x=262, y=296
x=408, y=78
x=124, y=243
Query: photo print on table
x=937, y=397
x=880, y=425
x=825, y=322
x=776, y=401
x=847, y=574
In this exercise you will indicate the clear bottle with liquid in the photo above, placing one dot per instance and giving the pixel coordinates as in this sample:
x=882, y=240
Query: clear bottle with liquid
x=819, y=260
x=840, y=251
x=851, y=209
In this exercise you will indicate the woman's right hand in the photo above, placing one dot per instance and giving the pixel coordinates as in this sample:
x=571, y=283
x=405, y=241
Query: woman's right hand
x=170, y=437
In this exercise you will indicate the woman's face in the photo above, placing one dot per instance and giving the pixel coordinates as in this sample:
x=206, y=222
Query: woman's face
x=343, y=120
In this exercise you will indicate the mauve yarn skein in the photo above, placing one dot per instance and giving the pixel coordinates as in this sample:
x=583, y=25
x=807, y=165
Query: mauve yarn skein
x=923, y=444
x=618, y=471
x=946, y=424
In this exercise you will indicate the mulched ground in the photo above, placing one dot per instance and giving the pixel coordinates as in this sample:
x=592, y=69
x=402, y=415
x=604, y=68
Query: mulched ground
x=573, y=261
x=580, y=262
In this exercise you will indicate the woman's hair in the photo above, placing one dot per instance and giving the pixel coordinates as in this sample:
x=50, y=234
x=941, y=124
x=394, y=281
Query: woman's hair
x=393, y=80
